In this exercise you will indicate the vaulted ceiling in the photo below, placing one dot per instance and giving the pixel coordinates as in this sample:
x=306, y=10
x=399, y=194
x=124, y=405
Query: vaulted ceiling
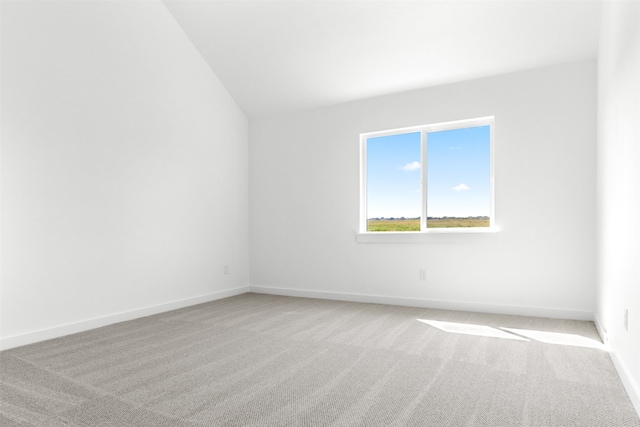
x=282, y=56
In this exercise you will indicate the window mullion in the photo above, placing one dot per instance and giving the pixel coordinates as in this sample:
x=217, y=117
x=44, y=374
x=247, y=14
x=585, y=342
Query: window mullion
x=423, y=181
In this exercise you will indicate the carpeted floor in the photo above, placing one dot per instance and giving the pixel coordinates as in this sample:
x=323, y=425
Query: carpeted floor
x=261, y=360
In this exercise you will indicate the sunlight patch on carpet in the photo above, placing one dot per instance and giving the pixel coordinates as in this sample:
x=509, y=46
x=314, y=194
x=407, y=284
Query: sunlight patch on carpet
x=556, y=338
x=469, y=329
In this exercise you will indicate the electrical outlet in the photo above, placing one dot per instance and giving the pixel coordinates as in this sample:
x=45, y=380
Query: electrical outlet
x=423, y=273
x=626, y=319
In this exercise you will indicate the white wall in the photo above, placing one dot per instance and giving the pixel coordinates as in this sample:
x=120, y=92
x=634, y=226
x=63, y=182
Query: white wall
x=304, y=182
x=619, y=187
x=124, y=169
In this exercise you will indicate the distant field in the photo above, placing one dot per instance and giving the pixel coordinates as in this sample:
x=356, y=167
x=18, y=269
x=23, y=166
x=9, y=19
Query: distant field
x=414, y=224
x=393, y=225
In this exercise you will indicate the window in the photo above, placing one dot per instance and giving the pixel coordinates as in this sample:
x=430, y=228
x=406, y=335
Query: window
x=430, y=178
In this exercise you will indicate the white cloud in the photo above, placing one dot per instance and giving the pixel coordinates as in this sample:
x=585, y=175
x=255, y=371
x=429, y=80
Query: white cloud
x=460, y=187
x=411, y=166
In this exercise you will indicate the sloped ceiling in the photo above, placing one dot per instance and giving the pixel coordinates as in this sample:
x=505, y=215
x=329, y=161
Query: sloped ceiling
x=278, y=57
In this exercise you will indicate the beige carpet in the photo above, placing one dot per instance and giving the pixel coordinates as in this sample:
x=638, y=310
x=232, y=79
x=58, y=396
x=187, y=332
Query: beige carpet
x=260, y=360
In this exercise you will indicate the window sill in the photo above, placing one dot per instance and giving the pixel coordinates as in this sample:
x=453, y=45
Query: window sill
x=442, y=235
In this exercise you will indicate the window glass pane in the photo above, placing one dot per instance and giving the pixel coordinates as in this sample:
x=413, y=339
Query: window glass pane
x=393, y=182
x=459, y=177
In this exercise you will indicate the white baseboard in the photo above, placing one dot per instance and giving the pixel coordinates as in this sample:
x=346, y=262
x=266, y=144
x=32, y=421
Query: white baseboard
x=602, y=332
x=85, y=325
x=632, y=388
x=629, y=384
x=554, y=313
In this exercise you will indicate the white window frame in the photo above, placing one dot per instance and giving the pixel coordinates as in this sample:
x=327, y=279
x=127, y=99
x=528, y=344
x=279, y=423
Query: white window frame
x=418, y=236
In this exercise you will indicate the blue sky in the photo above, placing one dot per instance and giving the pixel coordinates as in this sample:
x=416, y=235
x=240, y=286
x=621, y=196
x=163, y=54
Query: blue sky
x=458, y=174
